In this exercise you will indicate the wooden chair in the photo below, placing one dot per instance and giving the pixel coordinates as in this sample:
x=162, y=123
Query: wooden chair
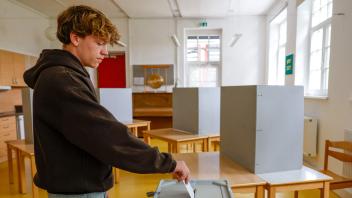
x=338, y=181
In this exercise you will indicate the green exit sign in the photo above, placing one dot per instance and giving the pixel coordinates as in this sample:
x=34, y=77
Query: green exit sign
x=289, y=64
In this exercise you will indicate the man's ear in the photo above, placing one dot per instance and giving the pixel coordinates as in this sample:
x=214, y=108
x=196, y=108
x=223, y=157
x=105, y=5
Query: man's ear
x=74, y=39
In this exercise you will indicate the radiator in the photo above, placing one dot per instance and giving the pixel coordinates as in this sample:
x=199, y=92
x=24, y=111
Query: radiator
x=310, y=136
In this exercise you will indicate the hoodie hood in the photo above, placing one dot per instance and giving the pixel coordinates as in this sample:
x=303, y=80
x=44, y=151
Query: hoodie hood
x=53, y=58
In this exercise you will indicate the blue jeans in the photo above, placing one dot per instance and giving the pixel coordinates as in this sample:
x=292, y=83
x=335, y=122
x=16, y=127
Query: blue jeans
x=88, y=195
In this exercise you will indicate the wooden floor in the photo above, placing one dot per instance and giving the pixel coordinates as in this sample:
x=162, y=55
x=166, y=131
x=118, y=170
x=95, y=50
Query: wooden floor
x=131, y=185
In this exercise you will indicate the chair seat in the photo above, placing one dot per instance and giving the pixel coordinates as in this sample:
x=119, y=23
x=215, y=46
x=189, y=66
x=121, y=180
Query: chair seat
x=338, y=181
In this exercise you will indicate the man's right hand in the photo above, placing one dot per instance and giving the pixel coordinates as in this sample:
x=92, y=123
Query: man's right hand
x=181, y=171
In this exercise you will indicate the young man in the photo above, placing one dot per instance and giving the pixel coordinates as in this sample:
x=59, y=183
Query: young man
x=76, y=140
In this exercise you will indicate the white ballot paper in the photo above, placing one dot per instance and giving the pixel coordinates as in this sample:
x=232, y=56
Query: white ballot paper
x=189, y=189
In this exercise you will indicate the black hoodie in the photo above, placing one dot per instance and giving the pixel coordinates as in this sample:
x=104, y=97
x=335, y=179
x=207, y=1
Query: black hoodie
x=77, y=140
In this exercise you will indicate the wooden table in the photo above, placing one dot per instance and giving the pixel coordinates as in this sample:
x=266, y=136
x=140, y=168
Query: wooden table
x=22, y=150
x=295, y=180
x=135, y=124
x=175, y=138
x=213, y=165
x=216, y=145
x=214, y=140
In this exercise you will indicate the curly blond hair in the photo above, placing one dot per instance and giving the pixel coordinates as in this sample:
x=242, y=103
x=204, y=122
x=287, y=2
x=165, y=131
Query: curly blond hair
x=84, y=21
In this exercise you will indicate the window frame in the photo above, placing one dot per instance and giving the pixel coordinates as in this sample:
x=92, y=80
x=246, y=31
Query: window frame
x=278, y=46
x=215, y=64
x=324, y=25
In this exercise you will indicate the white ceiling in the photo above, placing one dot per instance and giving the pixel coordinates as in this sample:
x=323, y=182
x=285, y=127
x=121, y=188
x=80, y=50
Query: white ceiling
x=145, y=8
x=157, y=8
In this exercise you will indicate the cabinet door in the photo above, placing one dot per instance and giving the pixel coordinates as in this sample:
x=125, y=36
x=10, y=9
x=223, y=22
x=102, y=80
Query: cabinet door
x=6, y=68
x=18, y=66
x=7, y=132
x=11, y=68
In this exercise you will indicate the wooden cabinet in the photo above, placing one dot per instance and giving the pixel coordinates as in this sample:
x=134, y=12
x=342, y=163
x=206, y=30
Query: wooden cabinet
x=7, y=132
x=155, y=107
x=6, y=74
x=12, y=66
x=18, y=69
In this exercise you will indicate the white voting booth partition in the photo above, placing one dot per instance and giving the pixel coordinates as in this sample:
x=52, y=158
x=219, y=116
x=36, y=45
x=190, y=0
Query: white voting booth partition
x=118, y=101
x=197, y=110
x=262, y=127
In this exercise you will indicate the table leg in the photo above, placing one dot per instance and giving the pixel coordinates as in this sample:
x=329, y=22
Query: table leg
x=10, y=163
x=209, y=145
x=135, y=131
x=117, y=175
x=324, y=192
x=271, y=192
x=259, y=192
x=146, y=138
x=296, y=194
x=216, y=146
x=169, y=148
x=33, y=171
x=148, y=126
x=114, y=174
x=178, y=148
x=21, y=173
x=206, y=145
x=192, y=147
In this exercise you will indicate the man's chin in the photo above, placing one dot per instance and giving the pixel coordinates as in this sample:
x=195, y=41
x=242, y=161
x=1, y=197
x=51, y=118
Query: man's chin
x=93, y=66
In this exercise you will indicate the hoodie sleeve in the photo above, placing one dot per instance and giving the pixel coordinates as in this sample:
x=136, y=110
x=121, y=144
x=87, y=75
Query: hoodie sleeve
x=88, y=125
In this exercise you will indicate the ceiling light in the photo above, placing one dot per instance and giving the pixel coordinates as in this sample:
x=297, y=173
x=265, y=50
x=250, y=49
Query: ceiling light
x=122, y=44
x=50, y=33
x=234, y=39
x=175, y=39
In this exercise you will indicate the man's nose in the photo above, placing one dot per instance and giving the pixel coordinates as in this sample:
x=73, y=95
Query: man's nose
x=104, y=51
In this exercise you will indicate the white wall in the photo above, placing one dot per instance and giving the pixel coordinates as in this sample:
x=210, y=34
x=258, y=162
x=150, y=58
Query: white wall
x=242, y=64
x=272, y=13
x=335, y=113
x=291, y=35
x=22, y=30
x=151, y=41
x=291, y=6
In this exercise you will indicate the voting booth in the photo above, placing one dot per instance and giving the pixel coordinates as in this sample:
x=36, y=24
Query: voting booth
x=118, y=101
x=197, y=110
x=262, y=127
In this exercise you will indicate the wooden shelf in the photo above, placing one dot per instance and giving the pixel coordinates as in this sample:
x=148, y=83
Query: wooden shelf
x=157, y=112
x=156, y=107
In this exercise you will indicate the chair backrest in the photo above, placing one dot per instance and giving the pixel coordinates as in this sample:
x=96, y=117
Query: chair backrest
x=342, y=156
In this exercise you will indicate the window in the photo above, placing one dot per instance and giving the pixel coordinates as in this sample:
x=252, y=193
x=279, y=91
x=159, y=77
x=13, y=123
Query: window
x=203, y=60
x=277, y=50
x=319, y=54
